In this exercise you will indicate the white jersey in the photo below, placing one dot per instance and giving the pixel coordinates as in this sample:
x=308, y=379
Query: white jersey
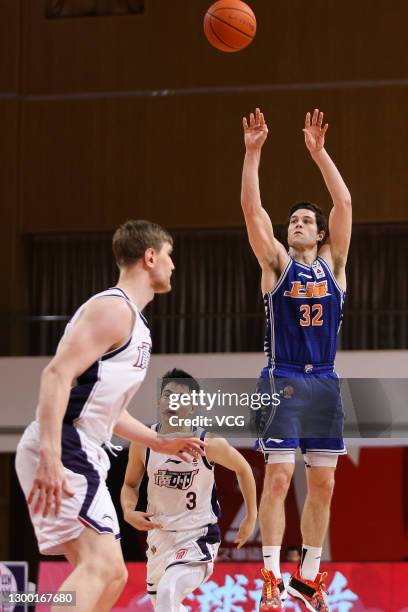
x=181, y=495
x=104, y=390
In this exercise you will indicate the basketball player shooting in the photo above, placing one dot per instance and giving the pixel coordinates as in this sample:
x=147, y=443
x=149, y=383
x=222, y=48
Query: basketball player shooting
x=182, y=513
x=303, y=291
x=61, y=462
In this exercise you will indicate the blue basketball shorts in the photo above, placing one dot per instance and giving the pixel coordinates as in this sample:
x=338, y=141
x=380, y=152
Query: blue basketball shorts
x=305, y=411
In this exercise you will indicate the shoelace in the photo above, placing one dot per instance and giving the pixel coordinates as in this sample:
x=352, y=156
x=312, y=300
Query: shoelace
x=321, y=587
x=267, y=588
x=112, y=448
x=267, y=583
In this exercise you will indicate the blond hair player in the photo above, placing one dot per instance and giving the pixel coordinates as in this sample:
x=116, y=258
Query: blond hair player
x=61, y=462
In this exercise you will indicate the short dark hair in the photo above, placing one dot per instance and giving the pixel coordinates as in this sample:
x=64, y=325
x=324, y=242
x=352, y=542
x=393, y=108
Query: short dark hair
x=180, y=377
x=132, y=238
x=321, y=220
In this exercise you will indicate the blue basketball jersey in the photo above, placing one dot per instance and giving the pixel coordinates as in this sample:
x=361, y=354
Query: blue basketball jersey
x=303, y=317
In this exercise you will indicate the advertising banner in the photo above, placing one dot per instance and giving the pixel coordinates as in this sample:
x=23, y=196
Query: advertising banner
x=236, y=587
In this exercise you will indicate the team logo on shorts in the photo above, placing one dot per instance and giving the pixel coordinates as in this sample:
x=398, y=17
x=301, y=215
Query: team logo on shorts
x=180, y=554
x=288, y=392
x=175, y=480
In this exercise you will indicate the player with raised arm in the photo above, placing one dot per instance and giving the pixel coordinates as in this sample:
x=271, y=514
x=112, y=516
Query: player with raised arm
x=182, y=513
x=61, y=463
x=303, y=291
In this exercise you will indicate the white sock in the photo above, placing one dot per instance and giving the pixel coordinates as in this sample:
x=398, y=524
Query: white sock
x=271, y=556
x=310, y=563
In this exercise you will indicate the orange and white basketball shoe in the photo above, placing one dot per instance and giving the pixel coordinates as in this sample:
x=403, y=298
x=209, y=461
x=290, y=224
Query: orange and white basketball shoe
x=273, y=592
x=310, y=592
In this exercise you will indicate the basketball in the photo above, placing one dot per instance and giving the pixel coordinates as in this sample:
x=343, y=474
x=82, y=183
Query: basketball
x=229, y=25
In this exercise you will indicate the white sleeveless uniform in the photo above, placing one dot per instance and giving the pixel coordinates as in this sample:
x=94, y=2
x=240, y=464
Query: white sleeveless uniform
x=96, y=402
x=183, y=499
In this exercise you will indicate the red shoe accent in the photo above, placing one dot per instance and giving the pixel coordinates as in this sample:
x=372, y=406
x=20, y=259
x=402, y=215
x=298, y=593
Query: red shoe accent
x=271, y=600
x=311, y=592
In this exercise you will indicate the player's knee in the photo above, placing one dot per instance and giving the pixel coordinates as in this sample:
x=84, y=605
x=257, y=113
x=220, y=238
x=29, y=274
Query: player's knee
x=277, y=482
x=321, y=485
x=107, y=569
x=122, y=575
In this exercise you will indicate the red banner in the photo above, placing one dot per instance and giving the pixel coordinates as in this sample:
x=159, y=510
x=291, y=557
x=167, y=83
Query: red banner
x=377, y=529
x=236, y=587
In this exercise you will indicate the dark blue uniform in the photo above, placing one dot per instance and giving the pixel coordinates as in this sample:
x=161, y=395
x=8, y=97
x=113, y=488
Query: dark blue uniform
x=303, y=317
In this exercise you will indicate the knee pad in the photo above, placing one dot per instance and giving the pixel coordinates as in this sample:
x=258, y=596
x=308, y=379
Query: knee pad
x=280, y=457
x=321, y=459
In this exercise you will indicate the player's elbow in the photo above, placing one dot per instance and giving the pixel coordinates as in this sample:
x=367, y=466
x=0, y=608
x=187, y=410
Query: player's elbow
x=247, y=208
x=243, y=471
x=130, y=488
x=344, y=202
x=55, y=373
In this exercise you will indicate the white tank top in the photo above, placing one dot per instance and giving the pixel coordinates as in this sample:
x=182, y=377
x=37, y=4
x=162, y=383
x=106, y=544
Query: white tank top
x=181, y=495
x=104, y=390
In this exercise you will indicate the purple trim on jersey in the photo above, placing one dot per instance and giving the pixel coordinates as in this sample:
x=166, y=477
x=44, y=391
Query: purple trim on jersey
x=116, y=351
x=128, y=298
x=110, y=295
x=213, y=536
x=147, y=456
x=81, y=393
x=215, y=506
x=122, y=292
x=95, y=525
x=144, y=319
x=204, y=458
x=179, y=563
x=74, y=458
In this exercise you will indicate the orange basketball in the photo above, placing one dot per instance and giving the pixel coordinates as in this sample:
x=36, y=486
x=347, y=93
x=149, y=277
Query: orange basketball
x=229, y=25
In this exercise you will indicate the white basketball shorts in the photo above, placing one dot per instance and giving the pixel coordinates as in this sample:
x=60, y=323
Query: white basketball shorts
x=169, y=548
x=86, y=466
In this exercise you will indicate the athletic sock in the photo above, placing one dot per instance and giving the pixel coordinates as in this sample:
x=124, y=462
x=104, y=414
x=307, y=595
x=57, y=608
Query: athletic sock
x=271, y=557
x=309, y=566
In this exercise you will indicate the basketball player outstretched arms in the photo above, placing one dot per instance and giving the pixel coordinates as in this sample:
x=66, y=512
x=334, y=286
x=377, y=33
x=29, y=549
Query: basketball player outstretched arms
x=336, y=247
x=269, y=252
x=303, y=291
x=182, y=507
x=61, y=460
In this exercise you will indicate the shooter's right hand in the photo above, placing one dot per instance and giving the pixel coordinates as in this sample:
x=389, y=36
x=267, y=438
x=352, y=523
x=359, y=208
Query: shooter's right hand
x=256, y=132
